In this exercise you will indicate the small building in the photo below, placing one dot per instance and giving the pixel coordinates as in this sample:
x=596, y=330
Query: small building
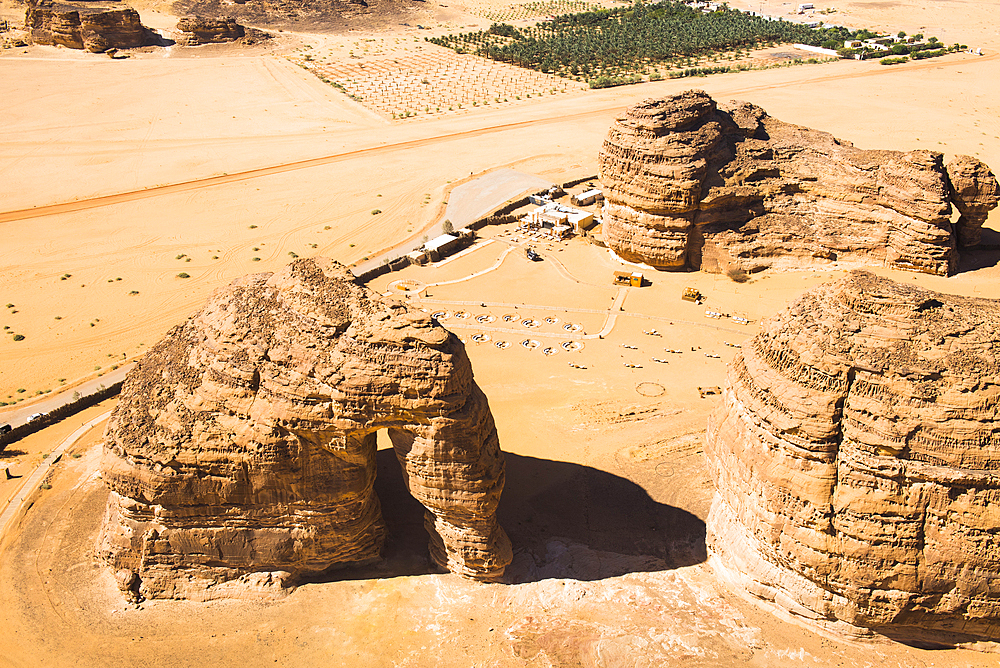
x=417, y=257
x=588, y=197
x=562, y=231
x=539, y=200
x=691, y=295
x=554, y=215
x=804, y=6
x=852, y=44
x=441, y=246
x=633, y=279
x=876, y=45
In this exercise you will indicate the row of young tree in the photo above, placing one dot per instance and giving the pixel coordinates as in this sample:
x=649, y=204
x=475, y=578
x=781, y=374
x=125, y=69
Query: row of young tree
x=630, y=38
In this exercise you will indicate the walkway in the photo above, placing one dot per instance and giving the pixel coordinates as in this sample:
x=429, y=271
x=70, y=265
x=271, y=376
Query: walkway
x=32, y=482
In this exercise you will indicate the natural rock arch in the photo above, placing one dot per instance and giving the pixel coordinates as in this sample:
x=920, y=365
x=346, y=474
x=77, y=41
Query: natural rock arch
x=243, y=445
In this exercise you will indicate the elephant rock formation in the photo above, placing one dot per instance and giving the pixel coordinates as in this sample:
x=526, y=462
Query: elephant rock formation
x=856, y=455
x=243, y=445
x=689, y=185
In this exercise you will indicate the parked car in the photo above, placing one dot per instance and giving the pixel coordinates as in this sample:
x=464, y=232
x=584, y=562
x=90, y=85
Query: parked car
x=4, y=428
x=35, y=416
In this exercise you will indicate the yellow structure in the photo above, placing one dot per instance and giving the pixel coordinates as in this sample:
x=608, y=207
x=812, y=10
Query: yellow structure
x=633, y=279
x=691, y=295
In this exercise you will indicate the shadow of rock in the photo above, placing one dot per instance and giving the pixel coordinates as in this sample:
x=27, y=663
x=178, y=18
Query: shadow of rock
x=565, y=520
x=571, y=521
x=986, y=254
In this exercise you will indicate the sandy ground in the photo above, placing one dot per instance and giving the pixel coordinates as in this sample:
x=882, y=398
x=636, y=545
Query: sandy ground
x=215, y=164
x=605, y=503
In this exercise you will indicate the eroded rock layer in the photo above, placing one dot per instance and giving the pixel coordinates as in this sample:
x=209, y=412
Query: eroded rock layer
x=243, y=445
x=201, y=30
x=689, y=185
x=856, y=456
x=93, y=27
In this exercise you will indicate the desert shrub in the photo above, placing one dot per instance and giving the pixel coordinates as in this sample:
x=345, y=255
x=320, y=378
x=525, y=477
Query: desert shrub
x=893, y=61
x=737, y=275
x=183, y=275
x=19, y=337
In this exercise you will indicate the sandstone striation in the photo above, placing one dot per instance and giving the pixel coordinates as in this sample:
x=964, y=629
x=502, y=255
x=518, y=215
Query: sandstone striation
x=243, y=445
x=689, y=185
x=95, y=27
x=201, y=30
x=209, y=31
x=856, y=455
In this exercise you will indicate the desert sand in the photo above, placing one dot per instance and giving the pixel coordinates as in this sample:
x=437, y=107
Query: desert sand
x=200, y=162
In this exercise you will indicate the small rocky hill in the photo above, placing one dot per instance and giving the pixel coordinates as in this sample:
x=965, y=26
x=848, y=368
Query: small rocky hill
x=692, y=185
x=242, y=449
x=92, y=26
x=856, y=456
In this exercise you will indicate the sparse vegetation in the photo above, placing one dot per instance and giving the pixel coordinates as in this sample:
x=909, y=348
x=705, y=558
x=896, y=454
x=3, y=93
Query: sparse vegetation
x=183, y=275
x=737, y=275
x=19, y=337
x=375, y=212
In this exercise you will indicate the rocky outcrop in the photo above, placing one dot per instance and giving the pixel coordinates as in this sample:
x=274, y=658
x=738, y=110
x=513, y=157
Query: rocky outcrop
x=208, y=31
x=975, y=192
x=689, y=185
x=856, y=456
x=90, y=26
x=243, y=445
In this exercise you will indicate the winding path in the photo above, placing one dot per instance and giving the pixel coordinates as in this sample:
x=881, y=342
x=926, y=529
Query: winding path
x=35, y=478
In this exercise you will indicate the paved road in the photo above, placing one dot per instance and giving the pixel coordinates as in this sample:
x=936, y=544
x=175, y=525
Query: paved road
x=467, y=203
x=36, y=477
x=18, y=415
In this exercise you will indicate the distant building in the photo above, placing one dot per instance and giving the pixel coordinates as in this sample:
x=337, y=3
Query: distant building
x=440, y=247
x=553, y=215
x=588, y=197
x=417, y=257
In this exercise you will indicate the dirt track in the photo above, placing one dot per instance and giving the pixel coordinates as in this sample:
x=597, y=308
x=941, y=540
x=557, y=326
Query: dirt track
x=599, y=108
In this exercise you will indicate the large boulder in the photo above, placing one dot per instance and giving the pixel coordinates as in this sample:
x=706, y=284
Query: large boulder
x=856, y=456
x=690, y=185
x=243, y=444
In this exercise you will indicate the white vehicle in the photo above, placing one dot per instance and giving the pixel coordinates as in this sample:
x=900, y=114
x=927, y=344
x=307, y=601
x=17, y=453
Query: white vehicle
x=35, y=416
